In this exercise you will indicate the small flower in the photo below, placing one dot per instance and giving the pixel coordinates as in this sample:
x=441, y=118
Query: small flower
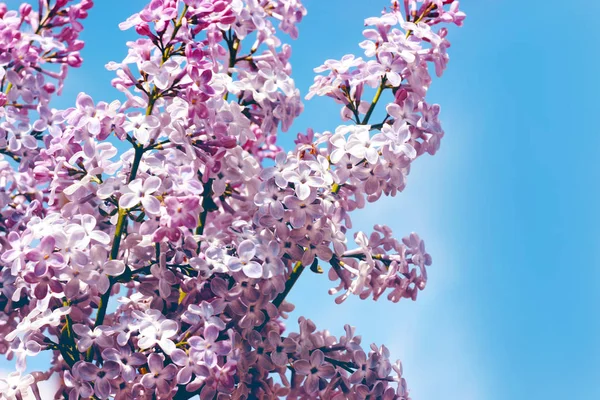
x=100, y=376
x=281, y=348
x=208, y=346
x=14, y=385
x=182, y=211
x=126, y=360
x=141, y=126
x=99, y=336
x=316, y=371
x=303, y=180
x=84, y=115
x=245, y=253
x=15, y=256
x=158, y=333
x=44, y=256
x=363, y=146
x=159, y=377
x=80, y=387
x=141, y=192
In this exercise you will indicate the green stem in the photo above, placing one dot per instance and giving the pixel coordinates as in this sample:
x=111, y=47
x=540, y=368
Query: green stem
x=169, y=50
x=207, y=205
x=375, y=100
x=233, y=46
x=114, y=251
x=66, y=344
x=137, y=158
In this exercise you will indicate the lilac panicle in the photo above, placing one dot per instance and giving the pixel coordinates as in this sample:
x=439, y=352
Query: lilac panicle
x=163, y=272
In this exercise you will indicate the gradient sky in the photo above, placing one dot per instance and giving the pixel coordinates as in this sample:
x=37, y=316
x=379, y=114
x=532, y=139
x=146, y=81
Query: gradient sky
x=507, y=207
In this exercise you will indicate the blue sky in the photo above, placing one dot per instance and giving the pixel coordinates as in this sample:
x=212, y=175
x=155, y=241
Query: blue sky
x=507, y=208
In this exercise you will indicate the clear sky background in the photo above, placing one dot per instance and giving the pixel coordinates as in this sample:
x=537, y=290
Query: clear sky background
x=507, y=208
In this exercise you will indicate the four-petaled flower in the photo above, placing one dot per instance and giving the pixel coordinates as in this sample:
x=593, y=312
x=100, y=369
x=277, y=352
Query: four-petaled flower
x=208, y=346
x=316, y=371
x=141, y=191
x=244, y=260
x=159, y=376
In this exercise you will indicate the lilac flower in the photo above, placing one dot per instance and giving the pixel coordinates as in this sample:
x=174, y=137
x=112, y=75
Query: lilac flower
x=269, y=200
x=271, y=254
x=41, y=285
x=85, y=115
x=208, y=346
x=393, y=169
x=339, y=143
x=159, y=377
x=142, y=192
x=160, y=74
x=184, y=179
x=363, y=370
x=261, y=348
x=16, y=255
x=204, y=312
x=245, y=253
x=101, y=377
x=303, y=180
x=141, y=126
x=100, y=336
x=191, y=364
x=80, y=388
x=101, y=267
x=15, y=385
x=277, y=170
x=182, y=211
x=74, y=240
x=88, y=223
x=301, y=211
x=281, y=348
x=158, y=333
x=44, y=256
x=315, y=370
x=403, y=110
x=127, y=360
x=166, y=278
x=362, y=145
x=126, y=325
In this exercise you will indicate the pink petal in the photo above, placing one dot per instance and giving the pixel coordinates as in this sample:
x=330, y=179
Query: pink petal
x=302, y=367
x=156, y=362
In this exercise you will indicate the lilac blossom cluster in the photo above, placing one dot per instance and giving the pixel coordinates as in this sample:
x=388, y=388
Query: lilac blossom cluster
x=163, y=272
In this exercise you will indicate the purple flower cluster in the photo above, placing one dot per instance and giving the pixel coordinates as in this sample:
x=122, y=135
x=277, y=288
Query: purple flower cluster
x=188, y=238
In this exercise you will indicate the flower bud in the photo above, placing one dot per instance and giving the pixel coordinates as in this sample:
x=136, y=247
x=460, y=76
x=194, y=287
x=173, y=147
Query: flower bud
x=144, y=30
x=25, y=9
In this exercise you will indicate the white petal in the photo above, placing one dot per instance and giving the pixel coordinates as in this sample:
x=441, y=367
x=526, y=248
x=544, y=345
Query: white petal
x=302, y=191
x=128, y=200
x=151, y=204
x=253, y=270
